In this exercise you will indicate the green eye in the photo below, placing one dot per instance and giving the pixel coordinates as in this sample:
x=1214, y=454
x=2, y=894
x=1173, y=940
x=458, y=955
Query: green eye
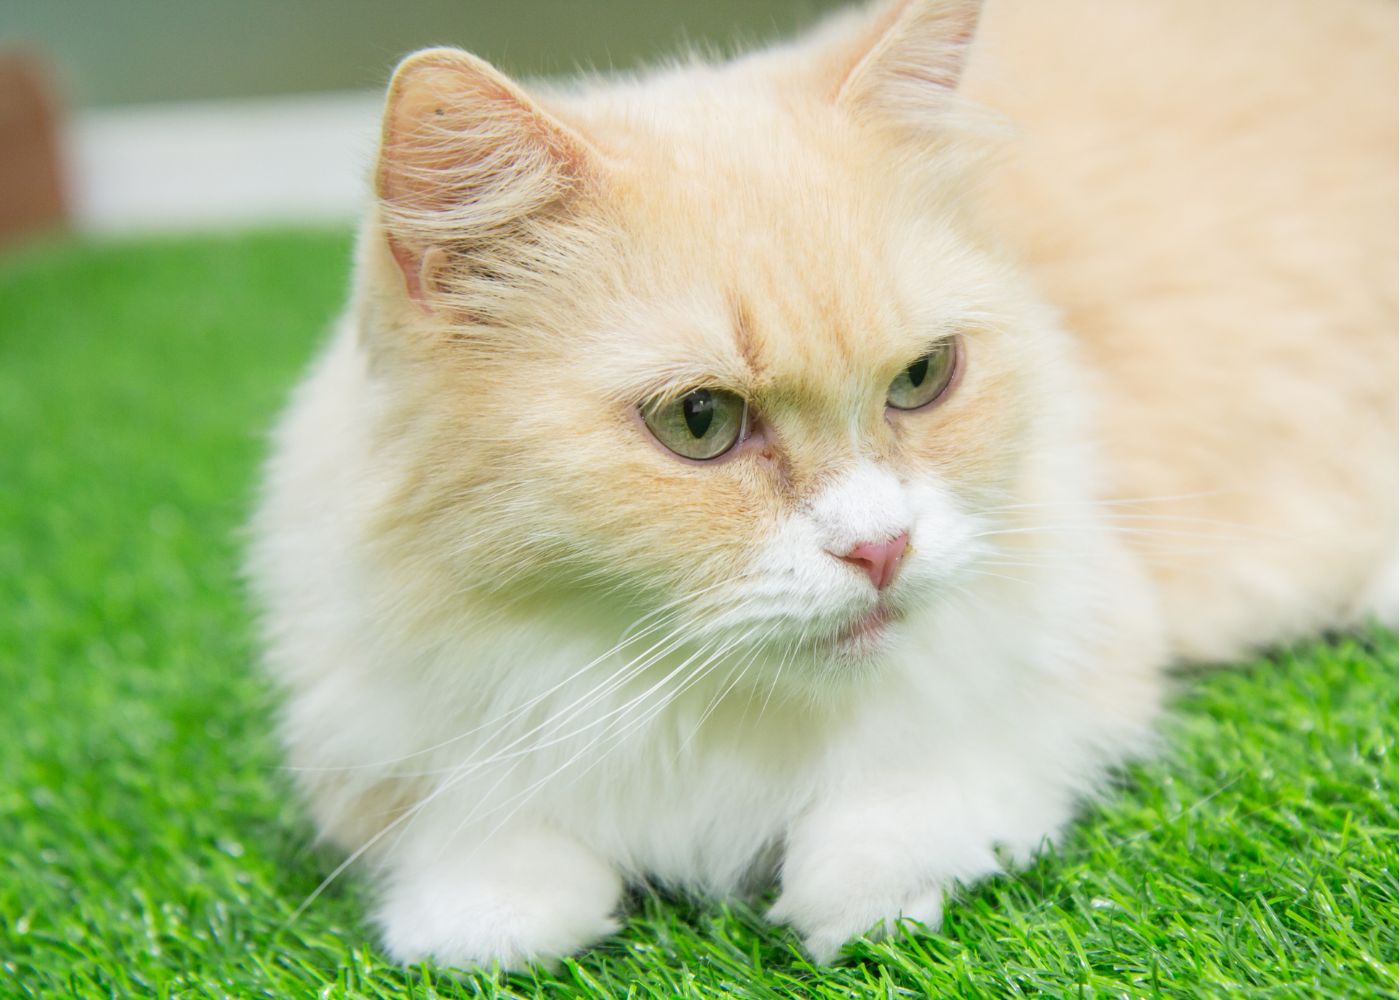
x=924, y=381
x=702, y=424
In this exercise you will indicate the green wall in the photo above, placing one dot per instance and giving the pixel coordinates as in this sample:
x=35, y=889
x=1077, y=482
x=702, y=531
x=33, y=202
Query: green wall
x=121, y=51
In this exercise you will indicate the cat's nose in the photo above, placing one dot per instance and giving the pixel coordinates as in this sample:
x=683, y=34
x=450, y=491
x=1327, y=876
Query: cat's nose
x=880, y=560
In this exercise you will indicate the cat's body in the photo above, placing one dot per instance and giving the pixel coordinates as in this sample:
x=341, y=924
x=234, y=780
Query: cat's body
x=1208, y=192
x=531, y=653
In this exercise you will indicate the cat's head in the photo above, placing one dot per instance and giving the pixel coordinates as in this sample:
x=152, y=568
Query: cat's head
x=721, y=345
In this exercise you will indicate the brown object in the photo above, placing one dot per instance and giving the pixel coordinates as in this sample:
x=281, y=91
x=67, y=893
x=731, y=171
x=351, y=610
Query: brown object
x=32, y=197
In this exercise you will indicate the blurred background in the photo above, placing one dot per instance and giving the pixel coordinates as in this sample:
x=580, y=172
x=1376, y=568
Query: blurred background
x=178, y=115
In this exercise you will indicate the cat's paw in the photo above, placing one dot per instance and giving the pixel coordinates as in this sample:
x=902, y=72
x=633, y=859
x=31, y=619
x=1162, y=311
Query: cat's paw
x=858, y=868
x=828, y=917
x=527, y=899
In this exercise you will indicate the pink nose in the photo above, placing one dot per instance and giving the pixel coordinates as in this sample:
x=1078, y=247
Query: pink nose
x=880, y=560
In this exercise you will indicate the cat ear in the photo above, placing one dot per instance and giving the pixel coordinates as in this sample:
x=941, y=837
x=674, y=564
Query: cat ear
x=907, y=62
x=465, y=153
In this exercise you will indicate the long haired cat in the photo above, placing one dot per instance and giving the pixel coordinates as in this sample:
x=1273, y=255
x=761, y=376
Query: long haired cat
x=801, y=467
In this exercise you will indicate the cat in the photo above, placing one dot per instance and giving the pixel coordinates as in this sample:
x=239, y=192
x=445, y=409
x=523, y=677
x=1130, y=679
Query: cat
x=801, y=468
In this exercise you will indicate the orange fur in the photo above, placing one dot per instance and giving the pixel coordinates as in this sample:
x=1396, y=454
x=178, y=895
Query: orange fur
x=1208, y=192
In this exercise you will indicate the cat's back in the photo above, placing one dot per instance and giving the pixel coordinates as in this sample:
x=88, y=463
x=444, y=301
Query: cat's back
x=1208, y=192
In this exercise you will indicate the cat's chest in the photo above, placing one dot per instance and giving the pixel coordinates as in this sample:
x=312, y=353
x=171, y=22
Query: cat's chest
x=700, y=793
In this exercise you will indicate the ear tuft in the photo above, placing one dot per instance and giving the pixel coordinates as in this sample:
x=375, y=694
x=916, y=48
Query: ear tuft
x=912, y=60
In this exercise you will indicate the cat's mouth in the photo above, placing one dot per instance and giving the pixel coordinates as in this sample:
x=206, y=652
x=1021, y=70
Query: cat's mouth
x=867, y=633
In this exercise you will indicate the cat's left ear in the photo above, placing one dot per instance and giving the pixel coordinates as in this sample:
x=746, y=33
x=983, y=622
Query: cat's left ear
x=906, y=62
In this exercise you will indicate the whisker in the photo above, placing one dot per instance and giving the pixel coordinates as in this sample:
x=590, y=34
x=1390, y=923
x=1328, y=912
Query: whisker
x=526, y=706
x=615, y=739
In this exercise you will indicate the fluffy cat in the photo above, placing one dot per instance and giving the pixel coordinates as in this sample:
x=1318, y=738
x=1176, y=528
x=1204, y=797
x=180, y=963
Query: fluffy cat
x=789, y=468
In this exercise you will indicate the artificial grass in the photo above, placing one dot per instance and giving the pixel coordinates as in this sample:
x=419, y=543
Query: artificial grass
x=149, y=846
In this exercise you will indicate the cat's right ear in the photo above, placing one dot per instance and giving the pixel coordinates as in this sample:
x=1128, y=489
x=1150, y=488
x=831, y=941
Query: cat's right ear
x=465, y=153
x=901, y=65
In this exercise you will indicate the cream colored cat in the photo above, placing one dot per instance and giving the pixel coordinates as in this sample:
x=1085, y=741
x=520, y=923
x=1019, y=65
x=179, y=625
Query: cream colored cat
x=791, y=466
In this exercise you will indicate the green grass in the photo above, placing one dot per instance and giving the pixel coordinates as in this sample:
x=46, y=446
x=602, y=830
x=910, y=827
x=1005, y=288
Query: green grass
x=149, y=846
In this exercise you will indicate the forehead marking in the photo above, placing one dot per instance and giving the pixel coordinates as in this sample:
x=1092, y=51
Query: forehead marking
x=743, y=335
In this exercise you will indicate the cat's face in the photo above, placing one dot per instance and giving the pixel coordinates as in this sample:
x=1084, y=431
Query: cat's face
x=749, y=375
